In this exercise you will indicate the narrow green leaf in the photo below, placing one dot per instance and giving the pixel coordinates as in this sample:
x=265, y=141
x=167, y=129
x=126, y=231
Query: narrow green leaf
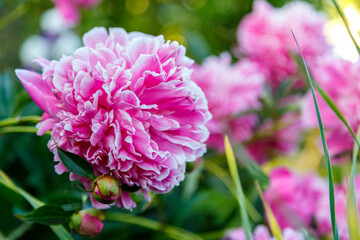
x=47, y=214
x=225, y=178
x=240, y=194
x=326, y=153
x=336, y=110
x=251, y=165
x=274, y=225
x=352, y=211
x=346, y=22
x=59, y=230
x=76, y=164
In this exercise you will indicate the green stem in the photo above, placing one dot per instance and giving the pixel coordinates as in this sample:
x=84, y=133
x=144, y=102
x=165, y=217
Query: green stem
x=2, y=236
x=13, y=15
x=18, y=232
x=172, y=231
x=18, y=120
x=347, y=25
x=18, y=129
x=21, y=129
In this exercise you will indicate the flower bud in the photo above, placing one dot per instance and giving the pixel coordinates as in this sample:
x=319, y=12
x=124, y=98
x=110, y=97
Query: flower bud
x=105, y=189
x=87, y=222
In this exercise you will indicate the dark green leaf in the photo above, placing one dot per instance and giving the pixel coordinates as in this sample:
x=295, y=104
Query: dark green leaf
x=47, y=214
x=76, y=164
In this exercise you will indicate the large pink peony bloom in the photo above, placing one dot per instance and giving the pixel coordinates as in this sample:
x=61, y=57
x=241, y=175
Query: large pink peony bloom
x=125, y=103
x=294, y=197
x=69, y=9
x=261, y=232
x=340, y=79
x=230, y=90
x=265, y=36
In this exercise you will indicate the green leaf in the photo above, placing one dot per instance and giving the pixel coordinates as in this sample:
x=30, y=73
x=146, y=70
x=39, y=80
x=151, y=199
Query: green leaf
x=352, y=211
x=47, y=214
x=240, y=194
x=76, y=164
x=343, y=17
x=326, y=153
x=5, y=181
x=336, y=110
x=274, y=225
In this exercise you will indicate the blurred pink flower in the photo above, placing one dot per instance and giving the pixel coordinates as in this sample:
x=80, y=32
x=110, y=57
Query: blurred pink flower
x=230, y=90
x=69, y=9
x=294, y=197
x=126, y=103
x=264, y=36
x=261, y=232
x=340, y=79
x=278, y=138
x=322, y=215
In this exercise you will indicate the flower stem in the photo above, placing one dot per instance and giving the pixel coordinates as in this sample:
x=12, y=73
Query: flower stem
x=18, y=120
x=13, y=15
x=18, y=129
x=172, y=231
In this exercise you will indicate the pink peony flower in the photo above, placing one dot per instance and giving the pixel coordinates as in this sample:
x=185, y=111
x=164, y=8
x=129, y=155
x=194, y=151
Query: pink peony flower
x=125, y=102
x=294, y=197
x=264, y=36
x=230, y=90
x=261, y=232
x=276, y=138
x=340, y=79
x=69, y=9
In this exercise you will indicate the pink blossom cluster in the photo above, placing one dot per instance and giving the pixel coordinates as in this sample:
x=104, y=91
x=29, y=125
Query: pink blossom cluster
x=340, y=80
x=306, y=196
x=264, y=36
x=231, y=90
x=69, y=9
x=294, y=194
x=125, y=102
x=261, y=232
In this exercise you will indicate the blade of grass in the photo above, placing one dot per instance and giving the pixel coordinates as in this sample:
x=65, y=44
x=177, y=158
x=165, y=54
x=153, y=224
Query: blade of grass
x=346, y=22
x=59, y=230
x=352, y=211
x=225, y=178
x=326, y=153
x=336, y=110
x=240, y=194
x=274, y=225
